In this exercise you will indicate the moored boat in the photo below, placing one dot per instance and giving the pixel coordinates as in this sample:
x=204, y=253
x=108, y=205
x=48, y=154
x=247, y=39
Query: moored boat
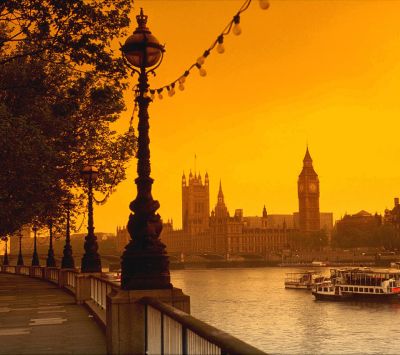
x=359, y=284
x=302, y=280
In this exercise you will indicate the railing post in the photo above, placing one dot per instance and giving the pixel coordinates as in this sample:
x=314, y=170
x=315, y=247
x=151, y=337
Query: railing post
x=162, y=333
x=83, y=287
x=126, y=317
x=184, y=341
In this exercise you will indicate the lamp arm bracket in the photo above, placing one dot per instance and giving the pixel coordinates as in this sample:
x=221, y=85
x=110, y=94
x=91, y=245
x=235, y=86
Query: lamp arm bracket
x=152, y=70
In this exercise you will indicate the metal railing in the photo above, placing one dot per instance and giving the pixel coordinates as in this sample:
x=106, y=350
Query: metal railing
x=9, y=269
x=171, y=331
x=37, y=271
x=99, y=289
x=71, y=280
x=24, y=270
x=53, y=274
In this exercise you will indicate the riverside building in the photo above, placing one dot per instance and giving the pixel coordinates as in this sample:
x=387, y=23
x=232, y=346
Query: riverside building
x=222, y=233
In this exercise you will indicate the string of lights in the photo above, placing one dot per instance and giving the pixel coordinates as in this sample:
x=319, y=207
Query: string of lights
x=233, y=26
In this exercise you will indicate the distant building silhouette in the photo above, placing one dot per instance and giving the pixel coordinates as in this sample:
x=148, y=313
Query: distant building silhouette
x=361, y=221
x=220, y=233
x=308, y=193
x=195, y=204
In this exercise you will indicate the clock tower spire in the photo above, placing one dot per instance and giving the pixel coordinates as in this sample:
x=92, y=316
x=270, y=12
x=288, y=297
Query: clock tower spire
x=308, y=192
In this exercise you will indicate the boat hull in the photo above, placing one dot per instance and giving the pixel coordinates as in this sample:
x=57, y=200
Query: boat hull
x=298, y=286
x=357, y=297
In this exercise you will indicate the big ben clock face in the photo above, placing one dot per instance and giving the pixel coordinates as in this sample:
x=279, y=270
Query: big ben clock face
x=312, y=187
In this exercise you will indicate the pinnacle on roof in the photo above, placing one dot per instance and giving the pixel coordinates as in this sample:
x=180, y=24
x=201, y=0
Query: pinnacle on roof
x=307, y=157
x=220, y=193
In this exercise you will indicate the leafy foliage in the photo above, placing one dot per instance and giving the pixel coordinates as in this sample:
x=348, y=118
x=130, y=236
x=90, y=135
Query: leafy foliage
x=61, y=90
x=73, y=32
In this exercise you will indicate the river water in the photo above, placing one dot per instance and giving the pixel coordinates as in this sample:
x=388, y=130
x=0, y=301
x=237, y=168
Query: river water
x=253, y=305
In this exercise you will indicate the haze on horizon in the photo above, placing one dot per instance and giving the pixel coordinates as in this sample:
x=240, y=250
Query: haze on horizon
x=322, y=72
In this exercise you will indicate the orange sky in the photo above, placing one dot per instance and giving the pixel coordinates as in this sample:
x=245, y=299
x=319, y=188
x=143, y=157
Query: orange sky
x=322, y=72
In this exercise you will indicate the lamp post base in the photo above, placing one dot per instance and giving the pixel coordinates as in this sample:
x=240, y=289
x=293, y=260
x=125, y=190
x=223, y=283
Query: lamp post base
x=144, y=269
x=67, y=261
x=20, y=261
x=35, y=259
x=91, y=263
x=50, y=261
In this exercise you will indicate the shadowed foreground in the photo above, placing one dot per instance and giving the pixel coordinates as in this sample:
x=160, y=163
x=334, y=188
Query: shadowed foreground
x=36, y=317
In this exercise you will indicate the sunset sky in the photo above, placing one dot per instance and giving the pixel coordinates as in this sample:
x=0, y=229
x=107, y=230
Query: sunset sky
x=322, y=72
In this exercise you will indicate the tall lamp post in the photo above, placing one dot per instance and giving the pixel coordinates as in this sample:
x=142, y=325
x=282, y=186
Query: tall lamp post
x=67, y=261
x=145, y=263
x=91, y=261
x=5, y=259
x=35, y=257
x=20, y=260
x=50, y=261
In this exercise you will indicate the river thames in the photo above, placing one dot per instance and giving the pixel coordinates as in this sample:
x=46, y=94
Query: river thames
x=253, y=305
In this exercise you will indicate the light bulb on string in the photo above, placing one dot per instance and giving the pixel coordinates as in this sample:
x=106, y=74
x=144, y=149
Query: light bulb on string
x=202, y=71
x=152, y=95
x=264, y=4
x=202, y=59
x=181, y=87
x=182, y=80
x=159, y=92
x=171, y=90
x=220, y=46
x=237, y=30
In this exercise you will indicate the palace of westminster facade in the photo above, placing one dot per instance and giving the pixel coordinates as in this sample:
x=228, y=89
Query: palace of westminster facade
x=223, y=234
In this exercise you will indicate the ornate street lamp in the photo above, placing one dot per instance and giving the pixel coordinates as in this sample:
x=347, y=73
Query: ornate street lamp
x=145, y=263
x=50, y=261
x=5, y=259
x=67, y=261
x=91, y=261
x=35, y=257
x=20, y=260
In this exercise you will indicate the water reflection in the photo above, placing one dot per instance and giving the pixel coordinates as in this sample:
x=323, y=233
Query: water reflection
x=253, y=305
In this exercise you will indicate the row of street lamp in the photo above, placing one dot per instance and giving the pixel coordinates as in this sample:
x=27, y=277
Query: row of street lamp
x=91, y=259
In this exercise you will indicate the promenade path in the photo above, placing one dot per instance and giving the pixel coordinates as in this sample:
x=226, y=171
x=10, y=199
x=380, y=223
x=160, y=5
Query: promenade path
x=36, y=317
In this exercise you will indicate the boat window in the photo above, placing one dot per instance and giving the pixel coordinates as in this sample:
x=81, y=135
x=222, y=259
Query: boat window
x=377, y=290
x=380, y=291
x=351, y=289
x=325, y=289
x=371, y=290
x=355, y=289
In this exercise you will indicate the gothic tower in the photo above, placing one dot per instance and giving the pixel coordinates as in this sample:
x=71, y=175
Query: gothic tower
x=221, y=211
x=195, y=204
x=308, y=192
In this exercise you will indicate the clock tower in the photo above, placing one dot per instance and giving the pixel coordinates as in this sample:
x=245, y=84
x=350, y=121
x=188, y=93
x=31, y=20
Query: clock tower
x=308, y=192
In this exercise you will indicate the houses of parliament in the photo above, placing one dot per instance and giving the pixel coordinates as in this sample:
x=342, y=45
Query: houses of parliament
x=221, y=233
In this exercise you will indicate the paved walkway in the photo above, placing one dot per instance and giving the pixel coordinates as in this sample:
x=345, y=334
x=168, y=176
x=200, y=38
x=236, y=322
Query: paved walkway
x=36, y=317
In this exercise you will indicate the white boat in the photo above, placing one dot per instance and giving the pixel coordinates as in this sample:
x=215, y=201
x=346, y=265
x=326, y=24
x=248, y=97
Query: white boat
x=318, y=263
x=302, y=280
x=359, y=284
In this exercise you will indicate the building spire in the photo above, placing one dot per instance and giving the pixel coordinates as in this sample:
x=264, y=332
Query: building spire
x=264, y=212
x=307, y=157
x=220, y=193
